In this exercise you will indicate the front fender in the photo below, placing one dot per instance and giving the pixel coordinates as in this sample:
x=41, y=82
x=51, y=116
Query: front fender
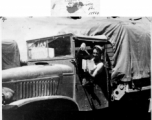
x=39, y=107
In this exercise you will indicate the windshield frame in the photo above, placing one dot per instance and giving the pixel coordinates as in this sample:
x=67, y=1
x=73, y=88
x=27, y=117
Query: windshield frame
x=52, y=38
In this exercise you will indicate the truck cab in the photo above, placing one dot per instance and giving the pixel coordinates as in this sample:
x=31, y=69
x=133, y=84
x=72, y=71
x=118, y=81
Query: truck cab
x=62, y=49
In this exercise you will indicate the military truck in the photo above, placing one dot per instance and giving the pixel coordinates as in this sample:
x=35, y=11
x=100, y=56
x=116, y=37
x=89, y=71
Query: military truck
x=54, y=73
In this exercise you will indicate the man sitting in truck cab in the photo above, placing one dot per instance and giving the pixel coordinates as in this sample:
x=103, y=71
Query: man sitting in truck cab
x=93, y=72
x=94, y=64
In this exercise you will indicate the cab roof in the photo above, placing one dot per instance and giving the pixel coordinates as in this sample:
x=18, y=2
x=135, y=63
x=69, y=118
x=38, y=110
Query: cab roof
x=99, y=38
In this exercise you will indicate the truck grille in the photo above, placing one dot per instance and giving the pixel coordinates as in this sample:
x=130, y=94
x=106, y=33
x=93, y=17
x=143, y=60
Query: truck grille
x=36, y=88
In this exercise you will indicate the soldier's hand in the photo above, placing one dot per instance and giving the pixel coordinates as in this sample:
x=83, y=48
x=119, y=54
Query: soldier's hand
x=83, y=47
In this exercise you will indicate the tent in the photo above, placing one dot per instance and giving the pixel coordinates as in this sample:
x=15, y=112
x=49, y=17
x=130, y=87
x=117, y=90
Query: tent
x=131, y=44
x=10, y=54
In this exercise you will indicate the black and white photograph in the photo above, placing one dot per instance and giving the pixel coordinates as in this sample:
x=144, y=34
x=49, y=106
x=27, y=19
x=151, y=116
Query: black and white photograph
x=76, y=67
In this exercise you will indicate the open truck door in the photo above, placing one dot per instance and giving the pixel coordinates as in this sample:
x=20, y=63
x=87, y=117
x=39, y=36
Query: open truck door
x=95, y=96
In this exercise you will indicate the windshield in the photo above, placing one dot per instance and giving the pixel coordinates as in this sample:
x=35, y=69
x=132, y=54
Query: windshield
x=60, y=46
x=46, y=48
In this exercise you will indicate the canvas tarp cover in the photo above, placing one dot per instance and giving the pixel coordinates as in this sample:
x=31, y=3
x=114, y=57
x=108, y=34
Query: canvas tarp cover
x=10, y=54
x=131, y=45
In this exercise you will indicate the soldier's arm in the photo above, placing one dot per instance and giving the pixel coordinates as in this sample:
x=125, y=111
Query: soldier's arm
x=97, y=70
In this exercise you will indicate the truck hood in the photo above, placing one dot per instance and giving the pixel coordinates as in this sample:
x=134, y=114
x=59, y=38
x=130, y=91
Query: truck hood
x=34, y=71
